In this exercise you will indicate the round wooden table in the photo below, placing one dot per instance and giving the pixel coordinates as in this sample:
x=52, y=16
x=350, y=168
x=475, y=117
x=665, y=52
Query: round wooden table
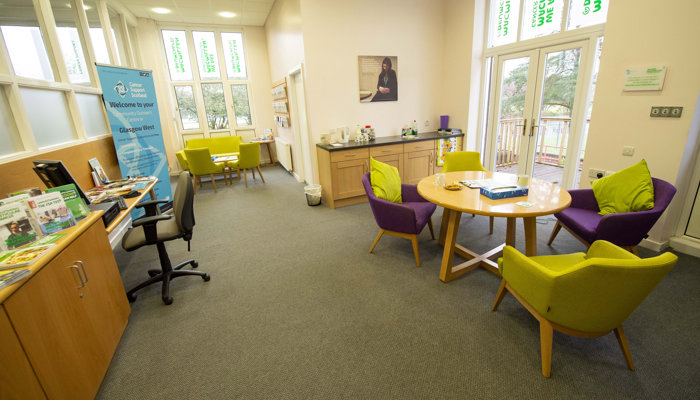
x=545, y=198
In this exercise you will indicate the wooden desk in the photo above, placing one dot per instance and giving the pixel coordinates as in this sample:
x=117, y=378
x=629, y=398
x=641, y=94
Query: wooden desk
x=269, y=150
x=546, y=198
x=131, y=203
x=61, y=325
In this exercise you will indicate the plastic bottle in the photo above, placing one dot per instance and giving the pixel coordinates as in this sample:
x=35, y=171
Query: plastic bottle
x=414, y=128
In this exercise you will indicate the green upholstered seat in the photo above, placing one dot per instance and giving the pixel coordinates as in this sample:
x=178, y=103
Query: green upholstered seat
x=248, y=158
x=201, y=164
x=585, y=295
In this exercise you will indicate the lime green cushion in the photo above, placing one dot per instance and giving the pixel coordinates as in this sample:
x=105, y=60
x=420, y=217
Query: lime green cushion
x=630, y=189
x=386, y=181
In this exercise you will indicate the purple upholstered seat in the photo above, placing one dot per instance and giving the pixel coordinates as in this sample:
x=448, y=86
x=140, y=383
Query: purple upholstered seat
x=404, y=220
x=623, y=229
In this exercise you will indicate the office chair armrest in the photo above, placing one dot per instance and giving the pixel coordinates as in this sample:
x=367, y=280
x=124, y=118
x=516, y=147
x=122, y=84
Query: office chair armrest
x=150, y=220
x=151, y=206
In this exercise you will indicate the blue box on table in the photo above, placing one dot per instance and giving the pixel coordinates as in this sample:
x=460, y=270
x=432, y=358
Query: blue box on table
x=503, y=191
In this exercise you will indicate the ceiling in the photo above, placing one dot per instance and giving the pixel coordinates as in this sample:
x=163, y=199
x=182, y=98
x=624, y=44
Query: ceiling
x=248, y=12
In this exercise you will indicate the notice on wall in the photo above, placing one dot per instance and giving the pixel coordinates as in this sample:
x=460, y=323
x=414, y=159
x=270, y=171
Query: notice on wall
x=647, y=78
x=132, y=108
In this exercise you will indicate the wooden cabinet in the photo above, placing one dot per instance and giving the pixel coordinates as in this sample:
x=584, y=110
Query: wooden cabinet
x=70, y=315
x=418, y=160
x=347, y=168
x=17, y=379
x=340, y=171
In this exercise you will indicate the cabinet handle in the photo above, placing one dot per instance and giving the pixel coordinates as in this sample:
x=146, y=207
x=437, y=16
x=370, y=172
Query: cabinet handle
x=82, y=266
x=82, y=282
x=386, y=151
x=350, y=155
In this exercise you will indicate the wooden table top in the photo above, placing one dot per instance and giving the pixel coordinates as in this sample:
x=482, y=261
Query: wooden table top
x=546, y=198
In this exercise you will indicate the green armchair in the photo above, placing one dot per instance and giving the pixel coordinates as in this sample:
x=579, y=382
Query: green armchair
x=182, y=159
x=200, y=164
x=585, y=295
x=249, y=158
x=463, y=161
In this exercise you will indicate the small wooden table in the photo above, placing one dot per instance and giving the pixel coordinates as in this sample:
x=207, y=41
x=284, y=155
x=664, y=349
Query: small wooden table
x=546, y=198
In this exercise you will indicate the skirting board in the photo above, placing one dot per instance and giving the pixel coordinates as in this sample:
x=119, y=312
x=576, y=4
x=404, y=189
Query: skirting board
x=686, y=245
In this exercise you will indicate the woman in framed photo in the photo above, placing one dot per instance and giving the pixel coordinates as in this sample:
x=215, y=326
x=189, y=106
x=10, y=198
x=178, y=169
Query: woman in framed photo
x=387, y=85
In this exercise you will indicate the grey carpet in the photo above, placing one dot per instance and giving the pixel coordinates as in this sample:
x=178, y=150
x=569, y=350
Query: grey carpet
x=297, y=309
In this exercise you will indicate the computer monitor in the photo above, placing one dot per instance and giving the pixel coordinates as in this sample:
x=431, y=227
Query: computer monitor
x=54, y=173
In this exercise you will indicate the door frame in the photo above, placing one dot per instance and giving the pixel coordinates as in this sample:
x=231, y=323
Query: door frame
x=303, y=170
x=486, y=103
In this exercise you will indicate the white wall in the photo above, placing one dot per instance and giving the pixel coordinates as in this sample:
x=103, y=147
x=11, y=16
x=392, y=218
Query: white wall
x=285, y=47
x=645, y=33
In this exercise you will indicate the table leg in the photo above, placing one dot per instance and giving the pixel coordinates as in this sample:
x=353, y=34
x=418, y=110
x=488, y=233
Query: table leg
x=510, y=231
x=530, y=236
x=443, y=227
x=448, y=254
x=269, y=152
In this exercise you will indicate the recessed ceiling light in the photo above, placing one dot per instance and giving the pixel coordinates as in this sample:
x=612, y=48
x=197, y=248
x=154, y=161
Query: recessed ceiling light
x=85, y=7
x=159, y=10
x=227, y=14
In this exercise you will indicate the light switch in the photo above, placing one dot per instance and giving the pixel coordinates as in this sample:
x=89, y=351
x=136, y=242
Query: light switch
x=628, y=151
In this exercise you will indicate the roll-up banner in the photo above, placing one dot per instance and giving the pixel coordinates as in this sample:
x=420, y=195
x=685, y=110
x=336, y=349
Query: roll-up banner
x=132, y=108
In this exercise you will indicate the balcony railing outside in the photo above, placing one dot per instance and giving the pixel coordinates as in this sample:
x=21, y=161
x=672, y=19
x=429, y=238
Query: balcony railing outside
x=551, y=148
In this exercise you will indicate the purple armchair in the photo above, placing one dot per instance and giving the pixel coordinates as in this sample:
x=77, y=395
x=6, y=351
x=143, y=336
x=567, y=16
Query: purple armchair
x=626, y=230
x=404, y=220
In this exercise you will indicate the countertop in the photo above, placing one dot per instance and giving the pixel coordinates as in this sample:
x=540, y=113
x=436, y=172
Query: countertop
x=386, y=140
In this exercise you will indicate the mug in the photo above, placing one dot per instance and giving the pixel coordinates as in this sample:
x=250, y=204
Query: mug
x=523, y=180
x=439, y=179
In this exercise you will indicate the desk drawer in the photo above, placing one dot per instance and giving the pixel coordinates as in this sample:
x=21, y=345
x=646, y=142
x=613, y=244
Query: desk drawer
x=346, y=155
x=385, y=150
x=419, y=146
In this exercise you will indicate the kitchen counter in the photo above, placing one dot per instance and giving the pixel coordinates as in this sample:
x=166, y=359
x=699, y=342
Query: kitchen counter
x=387, y=140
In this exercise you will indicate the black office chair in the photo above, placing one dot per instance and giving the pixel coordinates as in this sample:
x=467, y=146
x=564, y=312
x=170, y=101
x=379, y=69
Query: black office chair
x=156, y=228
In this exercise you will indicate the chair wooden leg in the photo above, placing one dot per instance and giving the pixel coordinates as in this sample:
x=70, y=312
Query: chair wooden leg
x=414, y=242
x=500, y=295
x=194, y=187
x=631, y=249
x=260, y=172
x=213, y=182
x=430, y=226
x=556, y=229
x=622, y=340
x=381, y=232
x=245, y=177
x=546, y=332
x=491, y=225
x=252, y=171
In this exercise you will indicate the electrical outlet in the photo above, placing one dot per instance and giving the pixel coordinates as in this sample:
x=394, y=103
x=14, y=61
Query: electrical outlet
x=628, y=151
x=676, y=112
x=608, y=172
x=593, y=173
x=427, y=122
x=665, y=111
x=655, y=112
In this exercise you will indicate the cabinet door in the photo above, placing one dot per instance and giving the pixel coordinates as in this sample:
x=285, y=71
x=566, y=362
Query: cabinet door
x=347, y=178
x=17, y=379
x=395, y=160
x=70, y=328
x=417, y=165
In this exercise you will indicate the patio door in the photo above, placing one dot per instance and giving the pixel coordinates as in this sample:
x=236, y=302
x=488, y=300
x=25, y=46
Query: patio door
x=537, y=119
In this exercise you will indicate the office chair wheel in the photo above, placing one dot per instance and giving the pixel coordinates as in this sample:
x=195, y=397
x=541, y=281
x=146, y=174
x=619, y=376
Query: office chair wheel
x=194, y=264
x=168, y=300
x=131, y=297
x=206, y=277
x=153, y=272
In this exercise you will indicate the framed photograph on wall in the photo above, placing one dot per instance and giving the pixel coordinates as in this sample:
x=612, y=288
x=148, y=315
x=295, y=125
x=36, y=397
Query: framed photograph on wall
x=378, y=78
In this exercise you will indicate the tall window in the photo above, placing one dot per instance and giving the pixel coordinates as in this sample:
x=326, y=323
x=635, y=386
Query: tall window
x=517, y=20
x=209, y=80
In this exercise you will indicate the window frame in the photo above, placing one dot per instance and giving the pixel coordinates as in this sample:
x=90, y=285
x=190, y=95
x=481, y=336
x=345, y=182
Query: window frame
x=204, y=131
x=11, y=83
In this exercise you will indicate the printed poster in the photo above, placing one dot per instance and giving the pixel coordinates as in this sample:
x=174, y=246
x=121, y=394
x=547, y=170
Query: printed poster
x=130, y=98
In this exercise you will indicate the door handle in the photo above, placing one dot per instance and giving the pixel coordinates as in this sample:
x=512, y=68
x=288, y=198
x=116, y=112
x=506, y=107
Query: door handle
x=82, y=282
x=82, y=266
x=523, y=125
x=532, y=129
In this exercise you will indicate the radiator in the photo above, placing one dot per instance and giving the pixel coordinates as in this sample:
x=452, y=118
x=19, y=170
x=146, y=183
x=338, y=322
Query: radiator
x=284, y=153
